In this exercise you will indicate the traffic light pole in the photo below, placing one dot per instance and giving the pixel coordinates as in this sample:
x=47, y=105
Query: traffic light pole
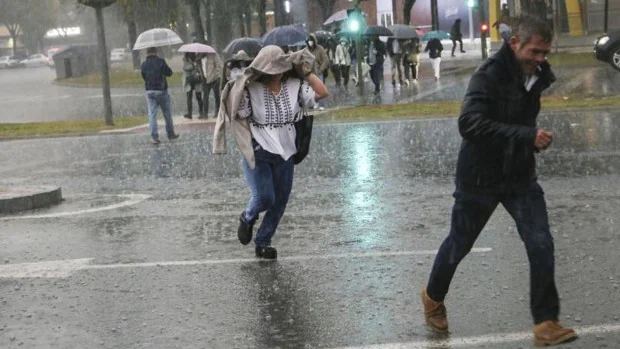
x=358, y=54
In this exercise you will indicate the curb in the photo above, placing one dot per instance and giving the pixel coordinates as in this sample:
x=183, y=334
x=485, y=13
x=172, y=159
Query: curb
x=16, y=199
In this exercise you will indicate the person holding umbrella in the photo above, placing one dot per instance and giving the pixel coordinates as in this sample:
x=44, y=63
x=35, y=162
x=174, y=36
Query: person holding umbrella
x=261, y=108
x=154, y=72
x=434, y=48
x=376, y=58
x=192, y=82
x=211, y=69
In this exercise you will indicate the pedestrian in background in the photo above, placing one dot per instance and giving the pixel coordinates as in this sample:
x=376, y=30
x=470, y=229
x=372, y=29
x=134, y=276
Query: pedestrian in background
x=343, y=61
x=395, y=53
x=261, y=107
x=212, y=69
x=154, y=72
x=192, y=82
x=411, y=59
x=434, y=48
x=456, y=36
x=376, y=58
x=496, y=164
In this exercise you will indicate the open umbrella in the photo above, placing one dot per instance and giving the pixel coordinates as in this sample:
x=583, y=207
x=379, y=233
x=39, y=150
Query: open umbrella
x=251, y=46
x=336, y=17
x=378, y=30
x=197, y=48
x=285, y=35
x=323, y=37
x=156, y=38
x=436, y=34
x=403, y=31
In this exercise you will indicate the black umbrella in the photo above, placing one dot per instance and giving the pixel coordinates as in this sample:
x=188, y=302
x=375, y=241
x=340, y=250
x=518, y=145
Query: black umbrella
x=378, y=30
x=251, y=46
x=285, y=35
x=323, y=37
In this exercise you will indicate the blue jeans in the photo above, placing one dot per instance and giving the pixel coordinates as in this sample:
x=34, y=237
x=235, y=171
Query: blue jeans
x=154, y=99
x=471, y=213
x=270, y=182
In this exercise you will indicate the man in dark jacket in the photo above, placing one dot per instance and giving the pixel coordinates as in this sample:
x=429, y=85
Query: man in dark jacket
x=154, y=73
x=456, y=36
x=496, y=165
x=376, y=58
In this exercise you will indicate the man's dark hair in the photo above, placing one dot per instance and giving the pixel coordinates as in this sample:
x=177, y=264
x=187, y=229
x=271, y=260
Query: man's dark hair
x=527, y=26
x=151, y=51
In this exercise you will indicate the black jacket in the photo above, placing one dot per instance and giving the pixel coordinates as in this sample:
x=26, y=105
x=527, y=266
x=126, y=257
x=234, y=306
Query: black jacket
x=434, y=48
x=154, y=72
x=498, y=126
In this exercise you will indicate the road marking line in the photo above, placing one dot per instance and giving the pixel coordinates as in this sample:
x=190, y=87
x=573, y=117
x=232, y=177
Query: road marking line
x=476, y=341
x=133, y=199
x=63, y=269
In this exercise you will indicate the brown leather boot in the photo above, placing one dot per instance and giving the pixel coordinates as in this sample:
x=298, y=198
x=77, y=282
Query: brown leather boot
x=552, y=333
x=434, y=313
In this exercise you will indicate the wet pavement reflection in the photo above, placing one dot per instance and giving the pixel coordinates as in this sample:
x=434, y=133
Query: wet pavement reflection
x=370, y=204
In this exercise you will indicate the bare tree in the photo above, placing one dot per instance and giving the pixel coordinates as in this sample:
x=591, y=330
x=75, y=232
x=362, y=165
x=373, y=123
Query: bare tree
x=261, y=8
x=128, y=8
x=199, y=32
x=407, y=6
x=41, y=18
x=11, y=15
x=327, y=6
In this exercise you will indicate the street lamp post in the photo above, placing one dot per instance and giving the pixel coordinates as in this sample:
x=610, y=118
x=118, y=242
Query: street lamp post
x=99, y=5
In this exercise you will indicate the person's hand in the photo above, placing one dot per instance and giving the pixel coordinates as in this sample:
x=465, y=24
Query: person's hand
x=303, y=69
x=543, y=139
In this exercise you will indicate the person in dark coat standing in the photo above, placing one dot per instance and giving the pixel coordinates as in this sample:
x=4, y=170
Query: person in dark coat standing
x=376, y=58
x=456, y=36
x=496, y=164
x=154, y=72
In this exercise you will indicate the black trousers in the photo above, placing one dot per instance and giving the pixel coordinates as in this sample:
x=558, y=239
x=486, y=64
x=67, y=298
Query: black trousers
x=344, y=72
x=337, y=73
x=190, y=101
x=206, y=88
x=376, y=74
x=471, y=213
x=454, y=41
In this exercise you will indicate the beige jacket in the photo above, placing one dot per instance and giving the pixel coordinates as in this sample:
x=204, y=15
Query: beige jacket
x=211, y=67
x=270, y=60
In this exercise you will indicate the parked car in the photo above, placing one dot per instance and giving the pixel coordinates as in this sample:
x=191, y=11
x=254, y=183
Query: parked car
x=120, y=54
x=35, y=60
x=9, y=62
x=607, y=49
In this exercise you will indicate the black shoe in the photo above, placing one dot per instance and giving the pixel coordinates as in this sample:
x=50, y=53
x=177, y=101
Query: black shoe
x=155, y=141
x=266, y=252
x=244, y=232
x=174, y=136
x=187, y=116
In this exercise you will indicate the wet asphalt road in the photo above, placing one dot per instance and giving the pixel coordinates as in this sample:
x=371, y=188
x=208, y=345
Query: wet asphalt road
x=28, y=94
x=163, y=268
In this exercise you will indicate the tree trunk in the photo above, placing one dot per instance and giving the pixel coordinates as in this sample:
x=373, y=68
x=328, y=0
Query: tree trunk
x=248, y=20
x=198, y=28
x=132, y=32
x=262, y=19
x=105, y=73
x=408, y=5
x=279, y=13
x=208, y=22
x=13, y=32
x=241, y=21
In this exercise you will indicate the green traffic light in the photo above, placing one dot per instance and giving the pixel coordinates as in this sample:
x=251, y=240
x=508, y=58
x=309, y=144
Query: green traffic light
x=354, y=25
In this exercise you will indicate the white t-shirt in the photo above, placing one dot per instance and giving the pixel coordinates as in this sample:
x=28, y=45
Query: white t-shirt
x=272, y=117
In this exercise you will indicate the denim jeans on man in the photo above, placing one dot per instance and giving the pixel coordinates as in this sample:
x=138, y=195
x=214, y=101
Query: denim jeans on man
x=270, y=182
x=155, y=98
x=470, y=214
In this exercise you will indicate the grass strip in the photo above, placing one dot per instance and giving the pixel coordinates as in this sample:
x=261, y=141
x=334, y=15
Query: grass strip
x=66, y=127
x=452, y=108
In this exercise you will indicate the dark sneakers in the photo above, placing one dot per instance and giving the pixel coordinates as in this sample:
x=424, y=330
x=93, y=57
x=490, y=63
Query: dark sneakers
x=266, y=252
x=244, y=232
x=174, y=136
